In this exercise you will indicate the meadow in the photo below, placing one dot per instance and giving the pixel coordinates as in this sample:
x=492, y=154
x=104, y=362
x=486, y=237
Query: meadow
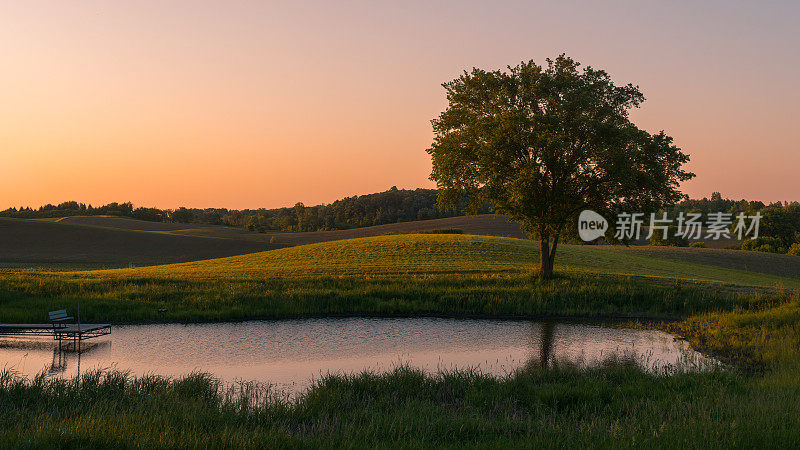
x=408, y=274
x=738, y=306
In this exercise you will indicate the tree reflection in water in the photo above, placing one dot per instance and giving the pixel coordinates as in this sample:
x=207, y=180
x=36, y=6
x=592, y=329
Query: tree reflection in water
x=545, y=357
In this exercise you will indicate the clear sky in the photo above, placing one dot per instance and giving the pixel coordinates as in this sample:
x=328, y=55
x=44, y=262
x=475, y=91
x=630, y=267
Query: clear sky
x=246, y=104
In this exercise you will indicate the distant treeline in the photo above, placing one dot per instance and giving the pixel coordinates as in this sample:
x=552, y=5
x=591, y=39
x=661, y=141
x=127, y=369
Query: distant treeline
x=718, y=204
x=73, y=208
x=391, y=206
x=779, y=231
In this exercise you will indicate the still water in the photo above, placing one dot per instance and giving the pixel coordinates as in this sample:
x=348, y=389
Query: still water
x=289, y=354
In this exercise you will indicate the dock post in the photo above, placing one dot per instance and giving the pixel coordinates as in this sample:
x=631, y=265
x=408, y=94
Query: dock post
x=78, y=336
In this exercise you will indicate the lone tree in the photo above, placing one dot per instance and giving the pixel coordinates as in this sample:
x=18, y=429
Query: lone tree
x=543, y=143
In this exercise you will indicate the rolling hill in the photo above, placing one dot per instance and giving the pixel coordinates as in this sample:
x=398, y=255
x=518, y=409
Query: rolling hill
x=394, y=274
x=87, y=242
x=434, y=254
x=114, y=242
x=54, y=245
x=484, y=224
x=125, y=223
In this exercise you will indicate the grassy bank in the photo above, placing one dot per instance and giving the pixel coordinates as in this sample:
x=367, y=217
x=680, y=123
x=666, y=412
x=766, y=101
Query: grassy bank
x=615, y=405
x=749, y=319
x=395, y=275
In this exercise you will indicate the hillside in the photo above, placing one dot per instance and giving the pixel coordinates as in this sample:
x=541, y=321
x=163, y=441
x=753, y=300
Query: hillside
x=759, y=262
x=86, y=242
x=53, y=245
x=484, y=224
x=111, y=242
x=126, y=223
x=433, y=254
x=396, y=274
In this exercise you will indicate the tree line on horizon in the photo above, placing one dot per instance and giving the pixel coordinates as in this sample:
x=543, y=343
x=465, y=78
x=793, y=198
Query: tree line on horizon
x=780, y=225
x=390, y=206
x=779, y=229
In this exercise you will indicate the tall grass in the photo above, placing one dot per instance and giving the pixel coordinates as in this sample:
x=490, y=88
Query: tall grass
x=615, y=405
x=27, y=298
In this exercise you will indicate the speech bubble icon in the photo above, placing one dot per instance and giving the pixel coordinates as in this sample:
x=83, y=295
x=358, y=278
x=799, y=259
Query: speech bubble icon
x=591, y=225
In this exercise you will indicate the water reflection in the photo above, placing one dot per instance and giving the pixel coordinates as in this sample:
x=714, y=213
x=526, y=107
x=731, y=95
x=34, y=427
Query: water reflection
x=63, y=354
x=59, y=363
x=545, y=345
x=291, y=353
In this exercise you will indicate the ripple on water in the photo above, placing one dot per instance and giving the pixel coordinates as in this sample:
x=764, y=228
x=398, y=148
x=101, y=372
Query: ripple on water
x=291, y=353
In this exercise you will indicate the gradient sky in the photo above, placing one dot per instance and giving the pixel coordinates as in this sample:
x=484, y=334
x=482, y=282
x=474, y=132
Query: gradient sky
x=247, y=104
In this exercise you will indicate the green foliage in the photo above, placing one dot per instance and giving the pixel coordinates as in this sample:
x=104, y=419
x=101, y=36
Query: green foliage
x=698, y=245
x=782, y=223
x=779, y=221
x=391, y=206
x=73, y=208
x=794, y=249
x=542, y=143
x=714, y=204
x=764, y=244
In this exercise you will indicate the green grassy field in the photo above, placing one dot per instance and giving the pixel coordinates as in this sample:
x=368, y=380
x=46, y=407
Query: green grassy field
x=396, y=274
x=748, y=318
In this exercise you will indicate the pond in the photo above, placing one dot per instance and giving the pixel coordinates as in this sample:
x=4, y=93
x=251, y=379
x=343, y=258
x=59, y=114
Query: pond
x=289, y=354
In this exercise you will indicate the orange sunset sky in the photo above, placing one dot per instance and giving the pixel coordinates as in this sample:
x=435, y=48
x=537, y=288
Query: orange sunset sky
x=246, y=104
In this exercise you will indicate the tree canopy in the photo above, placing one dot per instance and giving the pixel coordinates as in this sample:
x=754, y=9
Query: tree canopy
x=542, y=143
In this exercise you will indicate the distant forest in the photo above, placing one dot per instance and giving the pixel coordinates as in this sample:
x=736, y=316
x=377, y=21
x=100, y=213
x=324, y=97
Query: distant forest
x=780, y=226
x=391, y=206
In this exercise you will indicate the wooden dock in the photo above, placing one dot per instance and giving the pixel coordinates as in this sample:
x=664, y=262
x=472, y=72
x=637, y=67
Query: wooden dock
x=74, y=331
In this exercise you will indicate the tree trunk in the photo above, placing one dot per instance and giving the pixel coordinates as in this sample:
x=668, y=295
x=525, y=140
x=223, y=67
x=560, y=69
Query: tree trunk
x=546, y=265
x=547, y=256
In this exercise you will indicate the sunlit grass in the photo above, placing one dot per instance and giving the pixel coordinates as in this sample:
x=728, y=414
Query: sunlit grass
x=392, y=275
x=435, y=254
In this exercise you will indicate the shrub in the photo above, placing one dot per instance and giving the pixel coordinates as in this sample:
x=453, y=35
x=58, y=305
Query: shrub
x=794, y=249
x=698, y=244
x=764, y=244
